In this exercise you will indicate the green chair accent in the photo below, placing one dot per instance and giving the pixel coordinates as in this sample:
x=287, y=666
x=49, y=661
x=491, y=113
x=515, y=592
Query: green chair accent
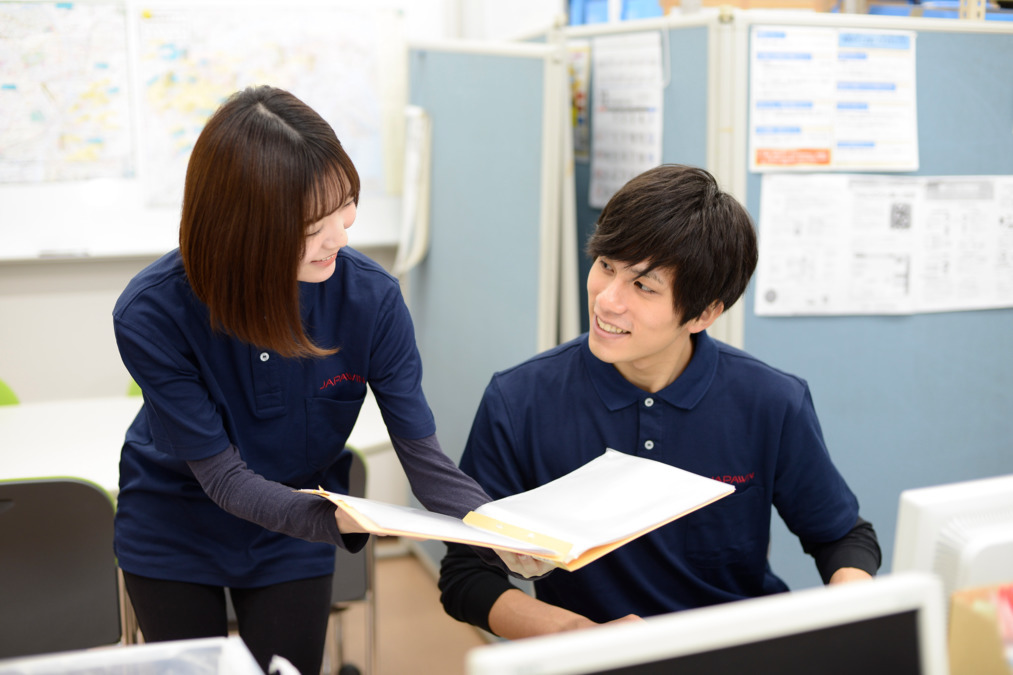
x=7, y=395
x=133, y=389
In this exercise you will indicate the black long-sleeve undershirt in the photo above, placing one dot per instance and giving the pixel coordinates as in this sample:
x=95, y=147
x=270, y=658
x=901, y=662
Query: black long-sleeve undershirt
x=435, y=480
x=469, y=588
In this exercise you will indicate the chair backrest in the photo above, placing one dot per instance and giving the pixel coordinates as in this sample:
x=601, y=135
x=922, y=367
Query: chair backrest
x=58, y=583
x=352, y=571
x=133, y=389
x=7, y=395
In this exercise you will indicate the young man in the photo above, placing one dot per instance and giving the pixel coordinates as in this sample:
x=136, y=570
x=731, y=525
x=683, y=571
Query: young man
x=671, y=253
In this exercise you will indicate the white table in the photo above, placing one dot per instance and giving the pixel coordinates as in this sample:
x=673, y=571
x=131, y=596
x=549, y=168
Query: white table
x=82, y=438
x=79, y=437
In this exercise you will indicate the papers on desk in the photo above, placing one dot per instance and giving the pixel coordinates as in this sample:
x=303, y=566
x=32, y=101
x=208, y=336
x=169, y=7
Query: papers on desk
x=570, y=521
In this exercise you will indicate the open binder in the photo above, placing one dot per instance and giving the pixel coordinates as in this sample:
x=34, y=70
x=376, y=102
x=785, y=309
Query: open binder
x=570, y=521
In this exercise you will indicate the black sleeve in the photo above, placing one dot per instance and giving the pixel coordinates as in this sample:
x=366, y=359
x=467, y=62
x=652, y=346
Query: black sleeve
x=858, y=548
x=245, y=494
x=469, y=587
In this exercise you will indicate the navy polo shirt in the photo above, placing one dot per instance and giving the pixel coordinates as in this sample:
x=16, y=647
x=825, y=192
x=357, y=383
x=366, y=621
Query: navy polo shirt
x=728, y=416
x=290, y=418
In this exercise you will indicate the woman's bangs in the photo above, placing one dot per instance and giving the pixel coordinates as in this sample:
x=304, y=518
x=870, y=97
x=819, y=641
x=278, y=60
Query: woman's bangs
x=326, y=195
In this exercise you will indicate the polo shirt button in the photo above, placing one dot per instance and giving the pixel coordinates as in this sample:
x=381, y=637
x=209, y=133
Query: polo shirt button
x=648, y=402
x=264, y=356
x=649, y=445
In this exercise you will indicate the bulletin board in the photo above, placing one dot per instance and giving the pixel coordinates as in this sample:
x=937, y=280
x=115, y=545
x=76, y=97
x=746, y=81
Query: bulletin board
x=905, y=401
x=922, y=399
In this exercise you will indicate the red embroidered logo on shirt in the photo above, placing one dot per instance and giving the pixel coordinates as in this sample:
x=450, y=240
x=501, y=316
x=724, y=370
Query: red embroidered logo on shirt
x=735, y=480
x=343, y=377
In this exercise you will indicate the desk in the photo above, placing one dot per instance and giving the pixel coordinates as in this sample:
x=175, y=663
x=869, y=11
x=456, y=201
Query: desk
x=82, y=438
x=77, y=437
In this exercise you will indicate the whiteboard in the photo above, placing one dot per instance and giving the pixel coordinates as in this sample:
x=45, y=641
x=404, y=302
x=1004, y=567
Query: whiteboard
x=103, y=100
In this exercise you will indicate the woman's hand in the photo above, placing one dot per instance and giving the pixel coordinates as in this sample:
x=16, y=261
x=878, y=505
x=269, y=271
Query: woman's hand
x=347, y=524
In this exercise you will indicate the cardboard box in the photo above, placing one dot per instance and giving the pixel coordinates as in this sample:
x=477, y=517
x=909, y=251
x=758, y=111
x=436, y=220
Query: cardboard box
x=975, y=638
x=813, y=5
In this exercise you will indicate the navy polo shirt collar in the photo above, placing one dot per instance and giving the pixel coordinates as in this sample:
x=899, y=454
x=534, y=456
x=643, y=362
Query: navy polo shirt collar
x=617, y=392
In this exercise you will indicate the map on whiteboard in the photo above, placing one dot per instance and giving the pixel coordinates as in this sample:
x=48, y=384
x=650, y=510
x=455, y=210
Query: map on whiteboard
x=64, y=92
x=191, y=57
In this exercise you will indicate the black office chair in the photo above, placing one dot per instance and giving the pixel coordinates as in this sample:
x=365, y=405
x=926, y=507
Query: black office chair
x=353, y=583
x=58, y=575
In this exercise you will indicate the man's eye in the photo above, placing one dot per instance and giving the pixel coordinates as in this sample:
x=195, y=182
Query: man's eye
x=645, y=289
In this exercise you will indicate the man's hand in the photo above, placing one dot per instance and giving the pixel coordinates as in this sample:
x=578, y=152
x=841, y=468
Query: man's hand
x=525, y=565
x=516, y=615
x=629, y=618
x=846, y=575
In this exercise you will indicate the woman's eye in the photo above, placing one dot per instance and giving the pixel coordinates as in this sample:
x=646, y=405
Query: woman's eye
x=645, y=289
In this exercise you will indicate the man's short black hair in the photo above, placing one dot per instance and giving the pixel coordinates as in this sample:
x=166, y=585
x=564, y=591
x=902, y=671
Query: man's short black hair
x=676, y=218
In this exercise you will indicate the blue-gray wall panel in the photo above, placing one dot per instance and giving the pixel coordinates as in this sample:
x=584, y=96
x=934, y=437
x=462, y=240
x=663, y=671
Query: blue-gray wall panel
x=474, y=298
x=910, y=401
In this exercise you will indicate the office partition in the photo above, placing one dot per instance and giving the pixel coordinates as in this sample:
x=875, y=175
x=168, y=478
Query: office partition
x=690, y=109
x=905, y=400
x=485, y=297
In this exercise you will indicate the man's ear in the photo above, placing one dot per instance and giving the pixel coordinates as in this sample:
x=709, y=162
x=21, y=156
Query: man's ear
x=707, y=317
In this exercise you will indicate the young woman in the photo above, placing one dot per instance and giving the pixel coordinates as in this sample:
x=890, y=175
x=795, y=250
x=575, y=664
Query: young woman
x=253, y=344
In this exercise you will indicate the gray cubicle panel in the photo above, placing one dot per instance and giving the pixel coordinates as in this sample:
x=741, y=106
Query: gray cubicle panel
x=475, y=298
x=685, y=128
x=925, y=399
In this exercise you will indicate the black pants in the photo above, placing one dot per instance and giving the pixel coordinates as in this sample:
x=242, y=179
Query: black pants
x=288, y=619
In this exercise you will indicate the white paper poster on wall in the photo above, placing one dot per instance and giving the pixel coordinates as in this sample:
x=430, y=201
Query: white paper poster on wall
x=64, y=92
x=839, y=99
x=627, y=101
x=868, y=244
x=191, y=57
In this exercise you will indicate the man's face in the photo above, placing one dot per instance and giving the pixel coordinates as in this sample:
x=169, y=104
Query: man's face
x=634, y=324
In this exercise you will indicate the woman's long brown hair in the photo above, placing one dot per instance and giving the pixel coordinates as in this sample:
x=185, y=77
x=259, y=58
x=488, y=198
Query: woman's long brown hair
x=265, y=167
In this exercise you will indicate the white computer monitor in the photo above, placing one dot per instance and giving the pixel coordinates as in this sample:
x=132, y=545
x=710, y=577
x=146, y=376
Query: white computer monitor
x=893, y=624
x=962, y=532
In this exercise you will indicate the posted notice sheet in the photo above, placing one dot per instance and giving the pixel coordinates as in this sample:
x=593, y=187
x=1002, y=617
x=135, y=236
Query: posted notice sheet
x=626, y=97
x=870, y=244
x=838, y=99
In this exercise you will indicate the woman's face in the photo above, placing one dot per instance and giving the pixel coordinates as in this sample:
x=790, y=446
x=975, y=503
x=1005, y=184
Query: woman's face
x=324, y=239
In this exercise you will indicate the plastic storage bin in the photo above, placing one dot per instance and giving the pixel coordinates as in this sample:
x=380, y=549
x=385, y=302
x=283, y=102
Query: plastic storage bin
x=210, y=656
